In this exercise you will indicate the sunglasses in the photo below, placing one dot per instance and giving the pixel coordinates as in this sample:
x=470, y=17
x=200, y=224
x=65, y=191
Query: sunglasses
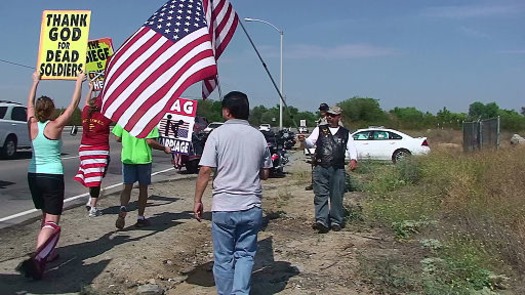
x=332, y=115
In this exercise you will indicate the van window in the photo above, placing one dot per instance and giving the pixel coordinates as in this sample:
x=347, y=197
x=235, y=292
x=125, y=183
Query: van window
x=19, y=114
x=3, y=110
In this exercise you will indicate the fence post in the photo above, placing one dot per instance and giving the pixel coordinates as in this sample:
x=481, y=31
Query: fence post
x=498, y=133
x=480, y=135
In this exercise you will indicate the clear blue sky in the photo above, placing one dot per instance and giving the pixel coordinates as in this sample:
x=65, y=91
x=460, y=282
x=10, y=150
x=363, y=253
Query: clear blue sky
x=415, y=53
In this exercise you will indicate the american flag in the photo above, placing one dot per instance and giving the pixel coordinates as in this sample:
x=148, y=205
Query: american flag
x=222, y=22
x=170, y=52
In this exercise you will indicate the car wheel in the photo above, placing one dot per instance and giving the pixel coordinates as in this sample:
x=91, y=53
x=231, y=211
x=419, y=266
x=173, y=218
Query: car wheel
x=9, y=148
x=399, y=155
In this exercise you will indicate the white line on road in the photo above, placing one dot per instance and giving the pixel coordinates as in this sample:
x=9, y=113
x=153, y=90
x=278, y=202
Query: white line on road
x=72, y=198
x=69, y=158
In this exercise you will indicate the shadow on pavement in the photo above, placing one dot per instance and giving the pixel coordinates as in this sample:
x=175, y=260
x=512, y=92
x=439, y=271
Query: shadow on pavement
x=23, y=155
x=4, y=183
x=71, y=272
x=268, y=276
x=132, y=206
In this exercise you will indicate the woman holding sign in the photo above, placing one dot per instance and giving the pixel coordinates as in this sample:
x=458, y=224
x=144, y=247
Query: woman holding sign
x=94, y=149
x=46, y=172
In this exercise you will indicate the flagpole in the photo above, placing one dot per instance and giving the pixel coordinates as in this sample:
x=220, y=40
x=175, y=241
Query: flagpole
x=219, y=90
x=273, y=82
x=268, y=72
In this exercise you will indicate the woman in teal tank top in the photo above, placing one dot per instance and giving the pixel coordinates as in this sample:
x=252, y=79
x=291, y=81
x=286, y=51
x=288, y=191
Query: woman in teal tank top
x=46, y=173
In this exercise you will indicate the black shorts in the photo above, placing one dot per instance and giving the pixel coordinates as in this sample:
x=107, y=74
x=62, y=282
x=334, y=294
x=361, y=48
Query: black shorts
x=47, y=191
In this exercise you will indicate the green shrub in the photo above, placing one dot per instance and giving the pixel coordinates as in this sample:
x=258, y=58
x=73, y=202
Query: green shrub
x=478, y=204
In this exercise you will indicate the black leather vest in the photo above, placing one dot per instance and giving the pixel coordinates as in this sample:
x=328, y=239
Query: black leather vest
x=330, y=149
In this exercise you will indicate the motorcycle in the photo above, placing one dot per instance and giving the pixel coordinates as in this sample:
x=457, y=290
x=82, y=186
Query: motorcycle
x=277, y=152
x=287, y=137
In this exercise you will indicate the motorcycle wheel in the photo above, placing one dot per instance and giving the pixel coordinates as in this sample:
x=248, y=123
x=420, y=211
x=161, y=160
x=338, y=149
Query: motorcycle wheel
x=193, y=166
x=277, y=172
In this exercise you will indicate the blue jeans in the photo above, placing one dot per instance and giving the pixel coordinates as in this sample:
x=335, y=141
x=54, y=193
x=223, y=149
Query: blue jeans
x=329, y=184
x=234, y=237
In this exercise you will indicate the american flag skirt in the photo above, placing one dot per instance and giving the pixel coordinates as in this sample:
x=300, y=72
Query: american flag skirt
x=94, y=161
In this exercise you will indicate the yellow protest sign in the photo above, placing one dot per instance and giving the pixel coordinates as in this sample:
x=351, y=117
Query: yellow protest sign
x=98, y=53
x=63, y=43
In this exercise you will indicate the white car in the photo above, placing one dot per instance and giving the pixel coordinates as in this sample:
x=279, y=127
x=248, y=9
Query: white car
x=378, y=143
x=14, y=133
x=265, y=127
x=212, y=126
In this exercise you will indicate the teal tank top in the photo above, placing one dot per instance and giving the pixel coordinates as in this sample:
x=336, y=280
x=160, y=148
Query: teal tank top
x=46, y=153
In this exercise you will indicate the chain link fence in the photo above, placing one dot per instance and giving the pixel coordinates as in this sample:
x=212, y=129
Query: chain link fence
x=481, y=134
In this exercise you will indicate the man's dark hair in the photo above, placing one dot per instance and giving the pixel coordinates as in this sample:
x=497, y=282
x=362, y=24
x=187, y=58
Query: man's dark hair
x=237, y=103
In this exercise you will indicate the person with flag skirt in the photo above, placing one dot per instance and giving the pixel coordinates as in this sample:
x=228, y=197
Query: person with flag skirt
x=94, y=150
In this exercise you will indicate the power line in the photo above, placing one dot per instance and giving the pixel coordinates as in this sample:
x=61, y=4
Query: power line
x=16, y=64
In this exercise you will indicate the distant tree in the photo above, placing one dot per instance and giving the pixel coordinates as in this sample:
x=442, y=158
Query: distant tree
x=256, y=114
x=408, y=118
x=511, y=120
x=271, y=116
x=477, y=110
x=492, y=110
x=289, y=116
x=429, y=120
x=363, y=111
x=447, y=119
x=210, y=109
x=76, y=118
x=522, y=111
x=310, y=118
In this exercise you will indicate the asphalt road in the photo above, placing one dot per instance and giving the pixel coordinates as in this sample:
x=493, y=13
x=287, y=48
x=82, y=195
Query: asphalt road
x=14, y=191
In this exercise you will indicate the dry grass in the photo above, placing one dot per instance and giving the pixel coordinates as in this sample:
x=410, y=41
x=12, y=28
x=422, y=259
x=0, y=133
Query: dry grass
x=477, y=200
x=484, y=197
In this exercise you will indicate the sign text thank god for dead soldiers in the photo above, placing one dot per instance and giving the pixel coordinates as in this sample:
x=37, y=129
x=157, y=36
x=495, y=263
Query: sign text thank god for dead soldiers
x=63, y=43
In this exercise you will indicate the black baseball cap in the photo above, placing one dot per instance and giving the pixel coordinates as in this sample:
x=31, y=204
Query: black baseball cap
x=323, y=107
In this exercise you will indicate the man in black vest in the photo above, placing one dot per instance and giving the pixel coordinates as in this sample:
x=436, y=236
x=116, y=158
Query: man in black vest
x=332, y=143
x=321, y=121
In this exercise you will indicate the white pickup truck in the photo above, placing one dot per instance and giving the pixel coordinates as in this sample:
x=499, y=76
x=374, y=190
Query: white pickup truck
x=14, y=133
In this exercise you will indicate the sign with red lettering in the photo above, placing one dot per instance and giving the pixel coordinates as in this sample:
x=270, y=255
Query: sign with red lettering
x=176, y=128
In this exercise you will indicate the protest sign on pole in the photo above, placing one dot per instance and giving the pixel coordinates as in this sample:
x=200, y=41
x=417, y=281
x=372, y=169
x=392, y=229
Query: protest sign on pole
x=176, y=127
x=98, y=53
x=63, y=43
